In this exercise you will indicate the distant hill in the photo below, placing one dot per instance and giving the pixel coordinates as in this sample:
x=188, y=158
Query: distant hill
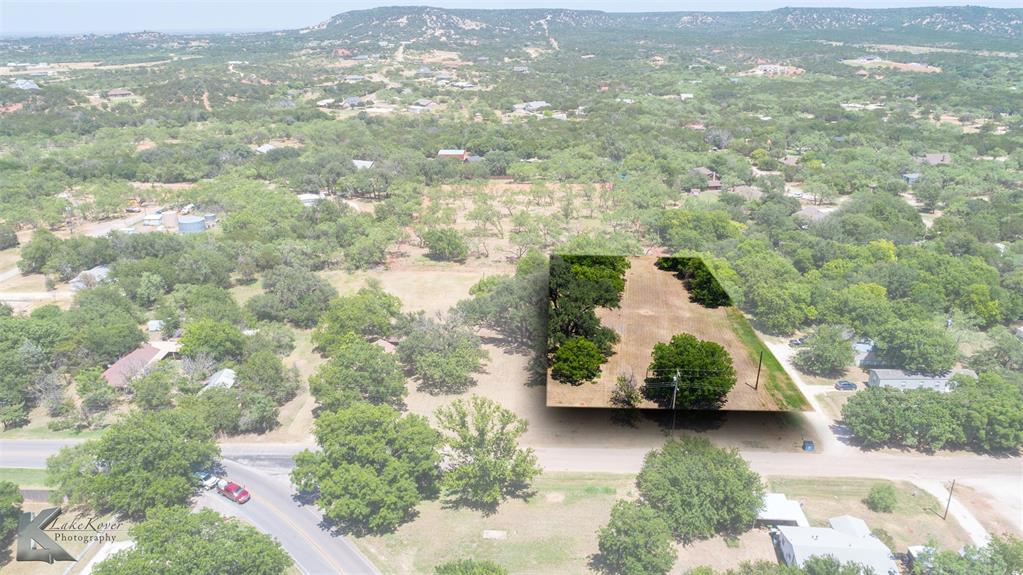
x=403, y=24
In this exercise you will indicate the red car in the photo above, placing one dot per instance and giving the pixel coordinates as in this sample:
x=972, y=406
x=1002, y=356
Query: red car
x=233, y=491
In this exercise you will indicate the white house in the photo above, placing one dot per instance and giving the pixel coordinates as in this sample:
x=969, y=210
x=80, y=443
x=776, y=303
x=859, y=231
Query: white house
x=780, y=510
x=900, y=379
x=848, y=540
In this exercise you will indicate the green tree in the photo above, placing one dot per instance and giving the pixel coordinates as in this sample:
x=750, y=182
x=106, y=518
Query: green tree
x=636, y=541
x=175, y=541
x=699, y=489
x=292, y=294
x=917, y=347
x=371, y=313
x=142, y=462
x=485, y=465
x=701, y=370
x=152, y=389
x=10, y=510
x=443, y=355
x=470, y=567
x=827, y=352
x=374, y=466
x=578, y=360
x=882, y=498
x=8, y=237
x=359, y=371
x=219, y=339
x=264, y=373
x=445, y=244
x=38, y=251
x=96, y=393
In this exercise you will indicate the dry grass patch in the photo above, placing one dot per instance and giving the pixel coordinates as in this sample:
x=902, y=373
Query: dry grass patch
x=552, y=532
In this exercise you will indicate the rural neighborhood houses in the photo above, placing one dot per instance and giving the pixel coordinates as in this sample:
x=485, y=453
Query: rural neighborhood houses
x=900, y=379
x=89, y=278
x=779, y=510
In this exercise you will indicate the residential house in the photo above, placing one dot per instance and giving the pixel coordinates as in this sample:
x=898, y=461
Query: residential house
x=362, y=164
x=534, y=106
x=713, y=180
x=848, y=540
x=120, y=374
x=89, y=278
x=810, y=214
x=748, y=193
x=119, y=93
x=520, y=69
x=309, y=200
x=459, y=154
x=354, y=78
x=23, y=85
x=900, y=379
x=779, y=510
x=911, y=177
x=154, y=325
x=864, y=354
x=325, y=103
x=353, y=102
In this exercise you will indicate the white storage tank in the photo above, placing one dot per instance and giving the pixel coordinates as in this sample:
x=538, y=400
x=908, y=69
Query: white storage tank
x=191, y=224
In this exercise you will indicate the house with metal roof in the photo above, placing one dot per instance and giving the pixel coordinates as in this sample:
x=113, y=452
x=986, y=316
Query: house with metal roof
x=223, y=379
x=459, y=154
x=89, y=278
x=900, y=379
x=848, y=540
x=780, y=510
x=120, y=374
x=362, y=164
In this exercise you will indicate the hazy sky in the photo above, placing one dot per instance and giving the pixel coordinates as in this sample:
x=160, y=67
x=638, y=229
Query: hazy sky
x=25, y=17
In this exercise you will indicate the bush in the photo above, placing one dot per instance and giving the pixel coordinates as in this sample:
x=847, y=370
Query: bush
x=882, y=498
x=470, y=567
x=702, y=370
x=445, y=244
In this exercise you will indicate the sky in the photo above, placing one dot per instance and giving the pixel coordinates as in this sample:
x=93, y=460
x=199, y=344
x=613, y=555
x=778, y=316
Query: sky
x=51, y=17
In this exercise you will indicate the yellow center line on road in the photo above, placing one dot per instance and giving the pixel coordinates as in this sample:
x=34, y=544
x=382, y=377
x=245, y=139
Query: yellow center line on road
x=273, y=509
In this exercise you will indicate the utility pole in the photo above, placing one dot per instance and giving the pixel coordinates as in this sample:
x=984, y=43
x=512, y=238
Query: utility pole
x=949, y=503
x=759, y=364
x=674, y=394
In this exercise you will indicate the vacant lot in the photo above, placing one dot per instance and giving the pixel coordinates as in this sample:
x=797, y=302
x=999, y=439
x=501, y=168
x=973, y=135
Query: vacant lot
x=527, y=541
x=654, y=307
x=915, y=521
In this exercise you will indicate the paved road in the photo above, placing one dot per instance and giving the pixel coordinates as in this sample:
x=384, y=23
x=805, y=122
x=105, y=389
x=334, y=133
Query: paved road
x=295, y=526
x=999, y=478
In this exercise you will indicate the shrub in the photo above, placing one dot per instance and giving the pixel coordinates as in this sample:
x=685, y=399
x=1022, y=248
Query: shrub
x=882, y=498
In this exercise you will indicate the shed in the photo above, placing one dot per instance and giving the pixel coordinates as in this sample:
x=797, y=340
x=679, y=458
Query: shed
x=223, y=379
x=780, y=510
x=911, y=177
x=119, y=93
x=154, y=325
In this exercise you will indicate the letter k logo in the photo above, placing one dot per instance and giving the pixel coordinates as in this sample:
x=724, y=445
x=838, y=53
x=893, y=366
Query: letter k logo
x=30, y=530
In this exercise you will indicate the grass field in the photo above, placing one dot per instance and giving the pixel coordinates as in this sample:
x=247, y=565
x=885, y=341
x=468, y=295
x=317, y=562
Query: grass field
x=24, y=477
x=773, y=375
x=553, y=532
x=915, y=520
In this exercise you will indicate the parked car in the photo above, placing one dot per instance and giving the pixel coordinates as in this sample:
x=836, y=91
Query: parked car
x=797, y=342
x=233, y=491
x=845, y=385
x=206, y=479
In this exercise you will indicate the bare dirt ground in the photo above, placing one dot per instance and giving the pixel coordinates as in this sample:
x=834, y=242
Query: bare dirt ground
x=987, y=511
x=655, y=306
